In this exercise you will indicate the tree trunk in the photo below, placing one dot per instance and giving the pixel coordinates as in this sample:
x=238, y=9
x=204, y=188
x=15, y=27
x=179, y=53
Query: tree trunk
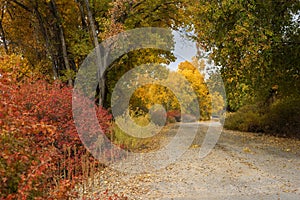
x=62, y=39
x=101, y=69
x=48, y=43
x=3, y=37
x=83, y=22
x=45, y=35
x=65, y=53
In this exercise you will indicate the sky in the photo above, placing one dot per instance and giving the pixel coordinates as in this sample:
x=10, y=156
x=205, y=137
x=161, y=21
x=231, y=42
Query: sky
x=184, y=50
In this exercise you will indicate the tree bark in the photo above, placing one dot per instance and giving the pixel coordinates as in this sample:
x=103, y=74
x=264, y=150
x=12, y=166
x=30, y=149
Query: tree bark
x=3, y=38
x=101, y=65
x=47, y=41
x=62, y=39
x=83, y=21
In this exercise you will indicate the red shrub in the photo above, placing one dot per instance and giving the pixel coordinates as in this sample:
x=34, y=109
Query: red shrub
x=174, y=115
x=36, y=131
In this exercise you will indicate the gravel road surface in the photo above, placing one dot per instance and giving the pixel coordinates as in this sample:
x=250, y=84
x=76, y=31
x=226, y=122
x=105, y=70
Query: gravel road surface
x=240, y=166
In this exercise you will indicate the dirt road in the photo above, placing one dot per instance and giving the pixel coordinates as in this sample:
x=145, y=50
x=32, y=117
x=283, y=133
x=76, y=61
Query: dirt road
x=240, y=166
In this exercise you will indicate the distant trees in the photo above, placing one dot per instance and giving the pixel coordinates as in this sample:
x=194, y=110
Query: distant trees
x=147, y=96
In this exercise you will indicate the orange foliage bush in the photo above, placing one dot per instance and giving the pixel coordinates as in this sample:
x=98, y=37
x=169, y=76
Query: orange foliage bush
x=36, y=128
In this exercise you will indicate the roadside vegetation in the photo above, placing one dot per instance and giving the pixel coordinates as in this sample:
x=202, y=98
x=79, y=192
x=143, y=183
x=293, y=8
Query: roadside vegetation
x=281, y=118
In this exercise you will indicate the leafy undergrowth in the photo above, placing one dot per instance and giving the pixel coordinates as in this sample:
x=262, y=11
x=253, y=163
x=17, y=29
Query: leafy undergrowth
x=283, y=118
x=280, y=118
x=247, y=119
x=41, y=154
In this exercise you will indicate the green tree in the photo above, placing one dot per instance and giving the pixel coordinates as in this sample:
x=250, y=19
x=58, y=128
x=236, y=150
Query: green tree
x=255, y=42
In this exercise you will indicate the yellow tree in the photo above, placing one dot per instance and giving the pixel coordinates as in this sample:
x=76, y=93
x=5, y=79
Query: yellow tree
x=192, y=72
x=147, y=96
x=181, y=98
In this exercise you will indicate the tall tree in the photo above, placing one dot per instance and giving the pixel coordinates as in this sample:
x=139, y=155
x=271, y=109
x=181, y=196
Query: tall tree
x=34, y=26
x=62, y=38
x=255, y=42
x=3, y=5
x=99, y=61
x=192, y=72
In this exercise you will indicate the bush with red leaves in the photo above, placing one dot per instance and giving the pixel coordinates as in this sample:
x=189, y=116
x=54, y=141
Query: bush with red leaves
x=36, y=127
x=173, y=116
